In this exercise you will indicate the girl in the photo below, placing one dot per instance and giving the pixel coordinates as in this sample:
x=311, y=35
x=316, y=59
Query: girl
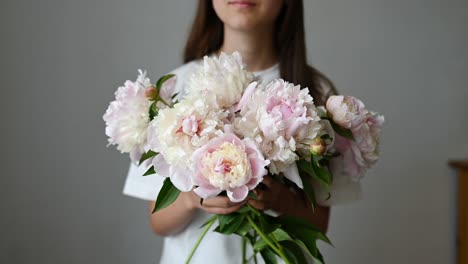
x=269, y=34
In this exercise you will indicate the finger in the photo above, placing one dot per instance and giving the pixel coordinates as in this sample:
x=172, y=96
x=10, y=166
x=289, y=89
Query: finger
x=258, y=204
x=259, y=195
x=221, y=210
x=267, y=180
x=218, y=201
x=264, y=195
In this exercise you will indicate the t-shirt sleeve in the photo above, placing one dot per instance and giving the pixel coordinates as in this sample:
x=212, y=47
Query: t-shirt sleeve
x=142, y=187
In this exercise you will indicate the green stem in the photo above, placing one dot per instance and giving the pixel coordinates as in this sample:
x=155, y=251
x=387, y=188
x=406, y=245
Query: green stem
x=255, y=211
x=244, y=247
x=207, y=227
x=164, y=102
x=267, y=240
x=253, y=257
x=255, y=254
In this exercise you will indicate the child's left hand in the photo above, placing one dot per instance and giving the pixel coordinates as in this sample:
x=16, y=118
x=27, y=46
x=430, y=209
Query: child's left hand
x=275, y=196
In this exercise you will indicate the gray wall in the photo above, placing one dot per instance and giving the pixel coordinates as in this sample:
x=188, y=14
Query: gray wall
x=61, y=61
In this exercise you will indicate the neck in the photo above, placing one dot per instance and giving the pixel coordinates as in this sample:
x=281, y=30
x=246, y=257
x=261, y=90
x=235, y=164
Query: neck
x=256, y=48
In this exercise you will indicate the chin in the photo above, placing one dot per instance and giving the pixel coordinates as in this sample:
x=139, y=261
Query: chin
x=242, y=23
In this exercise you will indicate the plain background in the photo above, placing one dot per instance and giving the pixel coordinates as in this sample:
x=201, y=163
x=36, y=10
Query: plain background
x=62, y=60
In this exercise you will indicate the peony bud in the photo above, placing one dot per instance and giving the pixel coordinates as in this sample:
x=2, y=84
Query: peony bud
x=318, y=147
x=151, y=93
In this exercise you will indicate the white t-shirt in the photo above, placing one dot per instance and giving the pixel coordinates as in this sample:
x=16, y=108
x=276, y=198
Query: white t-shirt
x=215, y=248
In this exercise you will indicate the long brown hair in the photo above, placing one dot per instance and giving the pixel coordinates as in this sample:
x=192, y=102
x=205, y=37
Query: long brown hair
x=206, y=37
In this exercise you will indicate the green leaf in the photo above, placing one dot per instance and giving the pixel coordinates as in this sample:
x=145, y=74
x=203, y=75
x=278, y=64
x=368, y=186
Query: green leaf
x=321, y=172
x=147, y=155
x=166, y=196
x=243, y=210
x=306, y=167
x=254, y=210
x=252, y=195
x=233, y=227
x=150, y=171
x=302, y=230
x=306, y=249
x=163, y=79
x=229, y=226
x=308, y=188
x=267, y=223
x=309, y=169
x=279, y=235
x=293, y=252
x=341, y=131
x=319, y=258
x=269, y=256
x=243, y=229
x=227, y=219
x=293, y=225
x=153, y=110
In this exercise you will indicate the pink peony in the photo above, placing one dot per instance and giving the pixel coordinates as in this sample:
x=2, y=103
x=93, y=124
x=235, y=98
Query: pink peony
x=359, y=155
x=350, y=162
x=283, y=120
x=346, y=111
x=367, y=137
x=229, y=164
x=177, y=132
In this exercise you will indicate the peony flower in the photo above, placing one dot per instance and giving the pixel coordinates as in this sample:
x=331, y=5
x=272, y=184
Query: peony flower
x=229, y=164
x=367, y=137
x=346, y=111
x=283, y=120
x=127, y=117
x=223, y=78
x=350, y=162
x=361, y=154
x=177, y=132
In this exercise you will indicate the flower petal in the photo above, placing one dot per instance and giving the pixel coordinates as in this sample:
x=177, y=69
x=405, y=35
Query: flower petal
x=168, y=89
x=238, y=194
x=161, y=166
x=206, y=191
x=181, y=179
x=292, y=173
x=246, y=96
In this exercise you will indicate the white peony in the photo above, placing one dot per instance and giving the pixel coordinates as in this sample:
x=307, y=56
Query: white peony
x=223, y=78
x=127, y=117
x=177, y=132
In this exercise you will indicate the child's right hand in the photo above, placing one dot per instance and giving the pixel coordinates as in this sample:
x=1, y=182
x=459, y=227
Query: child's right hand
x=214, y=205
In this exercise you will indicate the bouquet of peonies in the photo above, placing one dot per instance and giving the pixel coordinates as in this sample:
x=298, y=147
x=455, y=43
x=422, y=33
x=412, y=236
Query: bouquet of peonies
x=228, y=132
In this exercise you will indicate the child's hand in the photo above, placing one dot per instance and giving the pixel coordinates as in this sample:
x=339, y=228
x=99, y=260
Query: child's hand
x=275, y=196
x=215, y=205
x=221, y=205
